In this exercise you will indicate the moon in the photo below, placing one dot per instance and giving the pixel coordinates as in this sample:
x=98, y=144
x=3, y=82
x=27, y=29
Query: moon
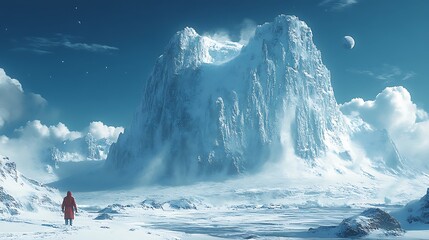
x=348, y=42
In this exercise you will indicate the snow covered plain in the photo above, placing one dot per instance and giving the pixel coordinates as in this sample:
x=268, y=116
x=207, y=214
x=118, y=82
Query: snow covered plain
x=262, y=207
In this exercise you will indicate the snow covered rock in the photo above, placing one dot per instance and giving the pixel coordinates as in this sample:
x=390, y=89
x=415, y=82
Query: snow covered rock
x=8, y=204
x=103, y=216
x=212, y=108
x=19, y=193
x=372, y=220
x=151, y=204
x=178, y=204
x=175, y=204
x=416, y=211
x=112, y=209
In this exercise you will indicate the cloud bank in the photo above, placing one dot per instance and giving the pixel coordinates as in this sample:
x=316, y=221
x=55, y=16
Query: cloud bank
x=99, y=131
x=31, y=144
x=15, y=104
x=394, y=110
x=31, y=147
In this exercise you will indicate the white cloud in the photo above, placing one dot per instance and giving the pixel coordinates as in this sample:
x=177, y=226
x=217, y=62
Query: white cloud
x=408, y=75
x=45, y=45
x=394, y=110
x=337, y=5
x=93, y=47
x=15, y=103
x=98, y=130
x=33, y=50
x=387, y=73
x=50, y=134
x=62, y=132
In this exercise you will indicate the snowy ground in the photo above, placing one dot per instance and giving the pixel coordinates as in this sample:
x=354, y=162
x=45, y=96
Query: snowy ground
x=240, y=209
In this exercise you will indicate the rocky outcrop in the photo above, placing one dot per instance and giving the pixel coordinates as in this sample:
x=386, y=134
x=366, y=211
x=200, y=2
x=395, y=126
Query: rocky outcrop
x=372, y=220
x=103, y=216
x=19, y=193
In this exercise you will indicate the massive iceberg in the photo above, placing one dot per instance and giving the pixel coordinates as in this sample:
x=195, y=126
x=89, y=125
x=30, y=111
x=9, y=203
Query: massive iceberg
x=212, y=108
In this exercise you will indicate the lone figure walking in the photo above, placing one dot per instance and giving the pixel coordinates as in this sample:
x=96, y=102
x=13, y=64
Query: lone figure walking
x=67, y=208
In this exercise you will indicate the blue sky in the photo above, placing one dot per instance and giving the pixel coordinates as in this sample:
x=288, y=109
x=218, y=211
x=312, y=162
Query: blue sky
x=89, y=59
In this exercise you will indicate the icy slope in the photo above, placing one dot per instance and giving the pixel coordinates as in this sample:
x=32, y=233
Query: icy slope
x=415, y=212
x=211, y=108
x=18, y=193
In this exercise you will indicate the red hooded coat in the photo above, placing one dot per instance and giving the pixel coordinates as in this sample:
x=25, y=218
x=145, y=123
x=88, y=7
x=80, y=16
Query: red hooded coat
x=68, y=205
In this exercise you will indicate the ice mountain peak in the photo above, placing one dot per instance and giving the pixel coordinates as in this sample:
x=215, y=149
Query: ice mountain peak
x=188, y=49
x=284, y=27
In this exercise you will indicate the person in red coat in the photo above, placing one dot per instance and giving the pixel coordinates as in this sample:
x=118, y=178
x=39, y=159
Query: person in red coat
x=69, y=207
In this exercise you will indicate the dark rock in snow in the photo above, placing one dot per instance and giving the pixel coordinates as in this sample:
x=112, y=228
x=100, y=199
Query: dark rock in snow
x=8, y=168
x=151, y=204
x=103, y=216
x=181, y=204
x=11, y=206
x=114, y=208
x=369, y=221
